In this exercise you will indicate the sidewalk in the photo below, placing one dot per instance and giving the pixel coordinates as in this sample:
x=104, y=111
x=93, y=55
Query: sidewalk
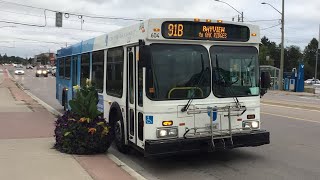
x=26, y=141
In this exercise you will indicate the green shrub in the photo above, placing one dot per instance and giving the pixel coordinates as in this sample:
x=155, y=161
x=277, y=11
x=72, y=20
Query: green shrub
x=83, y=130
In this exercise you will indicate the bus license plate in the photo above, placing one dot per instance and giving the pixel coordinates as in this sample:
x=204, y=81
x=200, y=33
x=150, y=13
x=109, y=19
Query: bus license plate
x=214, y=126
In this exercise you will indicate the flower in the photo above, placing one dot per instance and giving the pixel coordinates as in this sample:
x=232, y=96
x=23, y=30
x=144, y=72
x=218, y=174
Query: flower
x=88, y=82
x=92, y=130
x=83, y=119
x=77, y=87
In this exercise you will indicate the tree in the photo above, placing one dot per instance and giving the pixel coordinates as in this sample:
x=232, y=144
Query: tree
x=292, y=58
x=269, y=48
x=43, y=59
x=309, y=58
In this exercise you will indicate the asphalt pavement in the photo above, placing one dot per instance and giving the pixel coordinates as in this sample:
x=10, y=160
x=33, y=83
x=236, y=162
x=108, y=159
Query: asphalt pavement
x=42, y=87
x=293, y=152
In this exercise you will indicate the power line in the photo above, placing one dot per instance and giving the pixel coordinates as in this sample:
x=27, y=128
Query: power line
x=264, y=20
x=38, y=40
x=270, y=27
x=51, y=17
x=20, y=23
x=76, y=14
x=45, y=26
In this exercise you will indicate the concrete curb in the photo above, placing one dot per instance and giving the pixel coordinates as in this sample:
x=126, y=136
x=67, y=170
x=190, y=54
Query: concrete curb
x=116, y=160
x=125, y=167
x=45, y=105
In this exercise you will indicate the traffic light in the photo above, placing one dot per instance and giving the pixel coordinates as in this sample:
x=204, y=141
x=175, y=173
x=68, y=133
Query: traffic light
x=59, y=19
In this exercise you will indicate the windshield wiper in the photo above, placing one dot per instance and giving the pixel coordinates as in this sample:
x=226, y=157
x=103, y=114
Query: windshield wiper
x=228, y=88
x=186, y=107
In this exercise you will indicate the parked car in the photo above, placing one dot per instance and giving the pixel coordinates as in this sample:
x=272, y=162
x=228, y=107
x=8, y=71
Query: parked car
x=53, y=72
x=19, y=66
x=312, y=81
x=41, y=72
x=29, y=66
x=19, y=71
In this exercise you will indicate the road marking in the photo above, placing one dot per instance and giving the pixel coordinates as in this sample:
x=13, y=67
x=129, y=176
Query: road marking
x=312, y=110
x=289, y=101
x=310, y=98
x=289, y=117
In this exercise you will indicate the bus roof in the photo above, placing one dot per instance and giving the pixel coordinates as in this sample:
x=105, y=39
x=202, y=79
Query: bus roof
x=146, y=30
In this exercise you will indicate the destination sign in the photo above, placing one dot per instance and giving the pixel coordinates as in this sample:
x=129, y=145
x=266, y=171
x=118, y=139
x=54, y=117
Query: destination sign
x=205, y=31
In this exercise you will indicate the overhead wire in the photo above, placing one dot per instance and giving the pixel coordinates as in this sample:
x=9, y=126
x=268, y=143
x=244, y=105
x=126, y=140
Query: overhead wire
x=51, y=17
x=270, y=27
x=76, y=14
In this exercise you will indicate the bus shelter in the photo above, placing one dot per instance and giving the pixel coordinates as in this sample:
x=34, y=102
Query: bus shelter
x=275, y=75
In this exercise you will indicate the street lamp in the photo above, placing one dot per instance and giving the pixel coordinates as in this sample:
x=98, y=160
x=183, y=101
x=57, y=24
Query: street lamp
x=282, y=42
x=241, y=13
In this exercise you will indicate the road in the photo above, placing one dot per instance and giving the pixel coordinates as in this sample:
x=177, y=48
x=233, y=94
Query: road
x=42, y=87
x=293, y=152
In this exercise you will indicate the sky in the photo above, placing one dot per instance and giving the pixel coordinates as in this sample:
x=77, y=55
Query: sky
x=302, y=19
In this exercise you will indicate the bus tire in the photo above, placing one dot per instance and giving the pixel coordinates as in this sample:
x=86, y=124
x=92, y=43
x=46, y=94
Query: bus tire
x=119, y=136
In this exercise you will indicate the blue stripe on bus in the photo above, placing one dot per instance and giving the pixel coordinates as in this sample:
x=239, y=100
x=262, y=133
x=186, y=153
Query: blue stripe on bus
x=87, y=45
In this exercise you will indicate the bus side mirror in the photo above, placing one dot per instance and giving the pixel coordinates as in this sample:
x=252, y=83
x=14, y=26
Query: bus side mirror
x=145, y=55
x=265, y=82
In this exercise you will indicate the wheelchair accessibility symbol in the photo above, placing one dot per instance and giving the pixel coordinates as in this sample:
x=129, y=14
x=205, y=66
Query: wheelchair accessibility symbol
x=149, y=119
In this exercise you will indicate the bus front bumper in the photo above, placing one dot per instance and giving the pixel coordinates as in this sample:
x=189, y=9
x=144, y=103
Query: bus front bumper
x=181, y=145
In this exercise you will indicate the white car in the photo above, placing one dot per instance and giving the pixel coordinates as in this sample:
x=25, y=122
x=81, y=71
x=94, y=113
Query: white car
x=19, y=71
x=312, y=81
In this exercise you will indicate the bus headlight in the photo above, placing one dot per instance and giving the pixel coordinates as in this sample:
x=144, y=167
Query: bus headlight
x=250, y=124
x=254, y=124
x=167, y=132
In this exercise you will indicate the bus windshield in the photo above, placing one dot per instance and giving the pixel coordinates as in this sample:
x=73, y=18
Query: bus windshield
x=178, y=72
x=235, y=71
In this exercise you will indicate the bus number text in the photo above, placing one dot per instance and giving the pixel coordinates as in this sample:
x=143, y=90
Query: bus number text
x=175, y=30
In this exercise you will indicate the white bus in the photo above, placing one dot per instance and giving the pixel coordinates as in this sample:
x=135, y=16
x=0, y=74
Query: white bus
x=173, y=85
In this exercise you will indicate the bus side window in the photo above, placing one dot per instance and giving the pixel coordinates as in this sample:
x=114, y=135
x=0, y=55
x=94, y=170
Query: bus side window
x=61, y=68
x=85, y=69
x=98, y=70
x=114, y=80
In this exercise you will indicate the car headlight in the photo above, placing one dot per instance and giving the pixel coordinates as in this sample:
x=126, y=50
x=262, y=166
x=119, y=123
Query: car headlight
x=44, y=72
x=167, y=132
x=39, y=72
x=250, y=124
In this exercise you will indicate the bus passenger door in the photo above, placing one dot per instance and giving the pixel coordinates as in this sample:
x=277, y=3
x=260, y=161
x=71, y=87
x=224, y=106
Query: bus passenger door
x=134, y=97
x=131, y=105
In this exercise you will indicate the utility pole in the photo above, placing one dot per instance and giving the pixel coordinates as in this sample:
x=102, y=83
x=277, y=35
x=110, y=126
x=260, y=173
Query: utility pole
x=317, y=54
x=282, y=43
x=282, y=47
x=242, y=16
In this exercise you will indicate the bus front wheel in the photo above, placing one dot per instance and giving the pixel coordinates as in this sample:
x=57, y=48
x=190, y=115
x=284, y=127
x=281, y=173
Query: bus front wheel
x=119, y=137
